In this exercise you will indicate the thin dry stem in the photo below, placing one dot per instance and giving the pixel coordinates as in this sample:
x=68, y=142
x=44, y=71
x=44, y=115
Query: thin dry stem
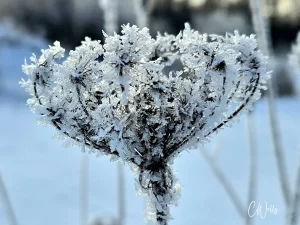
x=141, y=13
x=84, y=189
x=224, y=181
x=110, y=10
x=260, y=29
x=121, y=196
x=253, y=165
x=295, y=204
x=7, y=204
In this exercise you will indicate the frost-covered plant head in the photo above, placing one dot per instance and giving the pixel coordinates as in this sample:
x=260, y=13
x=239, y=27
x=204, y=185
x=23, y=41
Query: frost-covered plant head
x=116, y=98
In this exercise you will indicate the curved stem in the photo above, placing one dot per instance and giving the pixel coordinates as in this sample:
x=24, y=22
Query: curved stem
x=56, y=123
x=173, y=149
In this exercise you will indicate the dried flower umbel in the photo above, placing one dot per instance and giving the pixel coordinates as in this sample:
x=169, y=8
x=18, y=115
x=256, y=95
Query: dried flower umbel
x=116, y=98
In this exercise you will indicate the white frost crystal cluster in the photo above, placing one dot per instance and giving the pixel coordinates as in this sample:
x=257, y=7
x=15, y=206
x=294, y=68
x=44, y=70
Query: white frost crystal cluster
x=116, y=98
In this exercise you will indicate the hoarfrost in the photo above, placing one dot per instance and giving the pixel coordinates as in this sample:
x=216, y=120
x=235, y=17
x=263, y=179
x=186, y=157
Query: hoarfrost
x=116, y=99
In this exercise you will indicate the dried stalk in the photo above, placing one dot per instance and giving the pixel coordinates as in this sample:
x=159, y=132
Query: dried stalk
x=121, y=196
x=253, y=165
x=84, y=189
x=141, y=13
x=260, y=29
x=224, y=181
x=295, y=204
x=110, y=10
x=7, y=204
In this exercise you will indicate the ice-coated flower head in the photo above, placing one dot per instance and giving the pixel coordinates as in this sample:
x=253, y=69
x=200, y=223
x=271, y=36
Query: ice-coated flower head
x=117, y=98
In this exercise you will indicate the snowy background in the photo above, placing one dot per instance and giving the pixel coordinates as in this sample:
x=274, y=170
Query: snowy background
x=42, y=177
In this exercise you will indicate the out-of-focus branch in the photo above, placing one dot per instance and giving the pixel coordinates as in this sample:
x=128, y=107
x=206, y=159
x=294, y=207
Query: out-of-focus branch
x=295, y=204
x=7, y=204
x=150, y=5
x=217, y=148
x=253, y=165
x=121, y=196
x=84, y=189
x=224, y=181
x=141, y=13
x=260, y=29
x=110, y=10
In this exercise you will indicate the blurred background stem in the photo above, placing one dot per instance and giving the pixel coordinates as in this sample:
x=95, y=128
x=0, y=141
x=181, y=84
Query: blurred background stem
x=10, y=214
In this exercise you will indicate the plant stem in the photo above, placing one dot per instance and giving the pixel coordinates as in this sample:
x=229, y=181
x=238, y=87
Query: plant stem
x=7, y=204
x=260, y=29
x=121, y=196
x=141, y=13
x=253, y=165
x=224, y=181
x=295, y=205
x=84, y=189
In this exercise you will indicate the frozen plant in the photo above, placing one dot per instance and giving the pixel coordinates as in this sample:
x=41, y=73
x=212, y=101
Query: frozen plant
x=116, y=99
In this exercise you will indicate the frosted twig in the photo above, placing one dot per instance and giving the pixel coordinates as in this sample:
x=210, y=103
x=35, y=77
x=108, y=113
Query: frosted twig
x=253, y=165
x=7, y=204
x=260, y=29
x=224, y=181
x=84, y=189
x=295, y=204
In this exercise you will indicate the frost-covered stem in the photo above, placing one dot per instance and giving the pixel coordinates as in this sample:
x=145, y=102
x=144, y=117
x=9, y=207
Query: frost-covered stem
x=157, y=179
x=121, y=196
x=110, y=11
x=295, y=204
x=7, y=204
x=141, y=13
x=260, y=29
x=224, y=181
x=84, y=200
x=252, y=188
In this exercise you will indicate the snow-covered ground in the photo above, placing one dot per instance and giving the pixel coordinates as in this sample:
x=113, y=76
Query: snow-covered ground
x=42, y=177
